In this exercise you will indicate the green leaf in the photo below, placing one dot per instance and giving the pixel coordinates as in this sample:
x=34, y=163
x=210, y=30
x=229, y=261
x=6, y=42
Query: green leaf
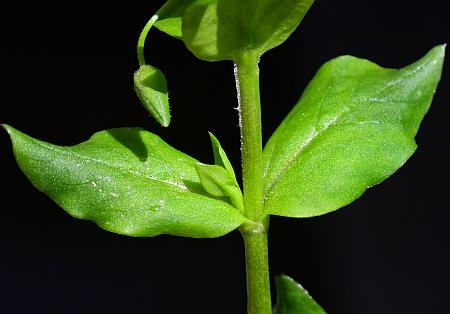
x=273, y=21
x=214, y=34
x=127, y=181
x=217, y=181
x=227, y=29
x=151, y=88
x=353, y=127
x=221, y=158
x=170, y=15
x=292, y=298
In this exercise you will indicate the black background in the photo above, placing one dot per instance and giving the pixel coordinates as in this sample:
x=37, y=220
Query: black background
x=66, y=72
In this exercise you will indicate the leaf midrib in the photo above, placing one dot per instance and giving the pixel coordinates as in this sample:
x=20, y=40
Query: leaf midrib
x=65, y=151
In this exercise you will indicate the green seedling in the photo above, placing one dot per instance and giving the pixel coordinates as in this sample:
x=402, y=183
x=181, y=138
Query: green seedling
x=353, y=127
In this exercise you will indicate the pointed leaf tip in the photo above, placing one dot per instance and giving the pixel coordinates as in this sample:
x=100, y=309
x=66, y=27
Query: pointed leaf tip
x=221, y=158
x=441, y=48
x=6, y=127
x=292, y=298
x=438, y=52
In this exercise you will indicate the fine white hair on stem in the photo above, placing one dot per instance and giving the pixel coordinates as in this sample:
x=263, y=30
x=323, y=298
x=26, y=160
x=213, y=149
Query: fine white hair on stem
x=238, y=91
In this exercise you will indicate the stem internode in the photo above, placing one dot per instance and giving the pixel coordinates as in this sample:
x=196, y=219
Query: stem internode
x=255, y=234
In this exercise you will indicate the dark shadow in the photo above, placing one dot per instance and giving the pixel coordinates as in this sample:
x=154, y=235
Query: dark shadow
x=131, y=138
x=228, y=19
x=155, y=81
x=197, y=188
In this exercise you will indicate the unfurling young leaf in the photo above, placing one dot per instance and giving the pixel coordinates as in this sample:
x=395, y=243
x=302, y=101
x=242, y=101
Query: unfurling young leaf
x=217, y=181
x=127, y=181
x=292, y=298
x=352, y=128
x=151, y=88
x=221, y=158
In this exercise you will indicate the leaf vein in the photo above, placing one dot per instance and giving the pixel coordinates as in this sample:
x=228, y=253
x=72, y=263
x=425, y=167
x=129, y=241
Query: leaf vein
x=73, y=154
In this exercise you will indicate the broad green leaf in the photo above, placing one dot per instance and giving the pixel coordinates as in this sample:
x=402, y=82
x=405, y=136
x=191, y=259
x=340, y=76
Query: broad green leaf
x=170, y=15
x=352, y=128
x=217, y=181
x=221, y=158
x=292, y=298
x=227, y=29
x=127, y=181
x=273, y=21
x=214, y=30
x=151, y=88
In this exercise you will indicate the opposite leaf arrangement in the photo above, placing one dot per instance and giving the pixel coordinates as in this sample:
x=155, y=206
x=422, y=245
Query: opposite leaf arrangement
x=352, y=128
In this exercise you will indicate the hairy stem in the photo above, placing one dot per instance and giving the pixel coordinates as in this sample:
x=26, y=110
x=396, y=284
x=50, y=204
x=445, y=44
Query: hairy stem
x=254, y=234
x=247, y=84
x=257, y=262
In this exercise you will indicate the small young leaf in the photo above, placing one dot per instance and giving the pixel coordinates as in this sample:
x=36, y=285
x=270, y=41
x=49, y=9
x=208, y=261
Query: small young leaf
x=170, y=15
x=151, y=88
x=227, y=29
x=220, y=157
x=217, y=181
x=292, y=298
x=352, y=128
x=127, y=181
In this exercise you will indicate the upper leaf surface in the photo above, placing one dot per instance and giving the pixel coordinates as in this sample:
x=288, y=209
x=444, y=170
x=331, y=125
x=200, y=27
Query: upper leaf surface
x=292, y=298
x=227, y=29
x=353, y=127
x=128, y=181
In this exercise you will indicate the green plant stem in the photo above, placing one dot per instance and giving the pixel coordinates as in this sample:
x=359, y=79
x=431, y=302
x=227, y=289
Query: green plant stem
x=257, y=262
x=247, y=85
x=142, y=37
x=254, y=234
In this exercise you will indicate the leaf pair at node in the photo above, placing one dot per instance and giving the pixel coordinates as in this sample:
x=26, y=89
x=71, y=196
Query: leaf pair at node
x=226, y=29
x=352, y=128
x=229, y=29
